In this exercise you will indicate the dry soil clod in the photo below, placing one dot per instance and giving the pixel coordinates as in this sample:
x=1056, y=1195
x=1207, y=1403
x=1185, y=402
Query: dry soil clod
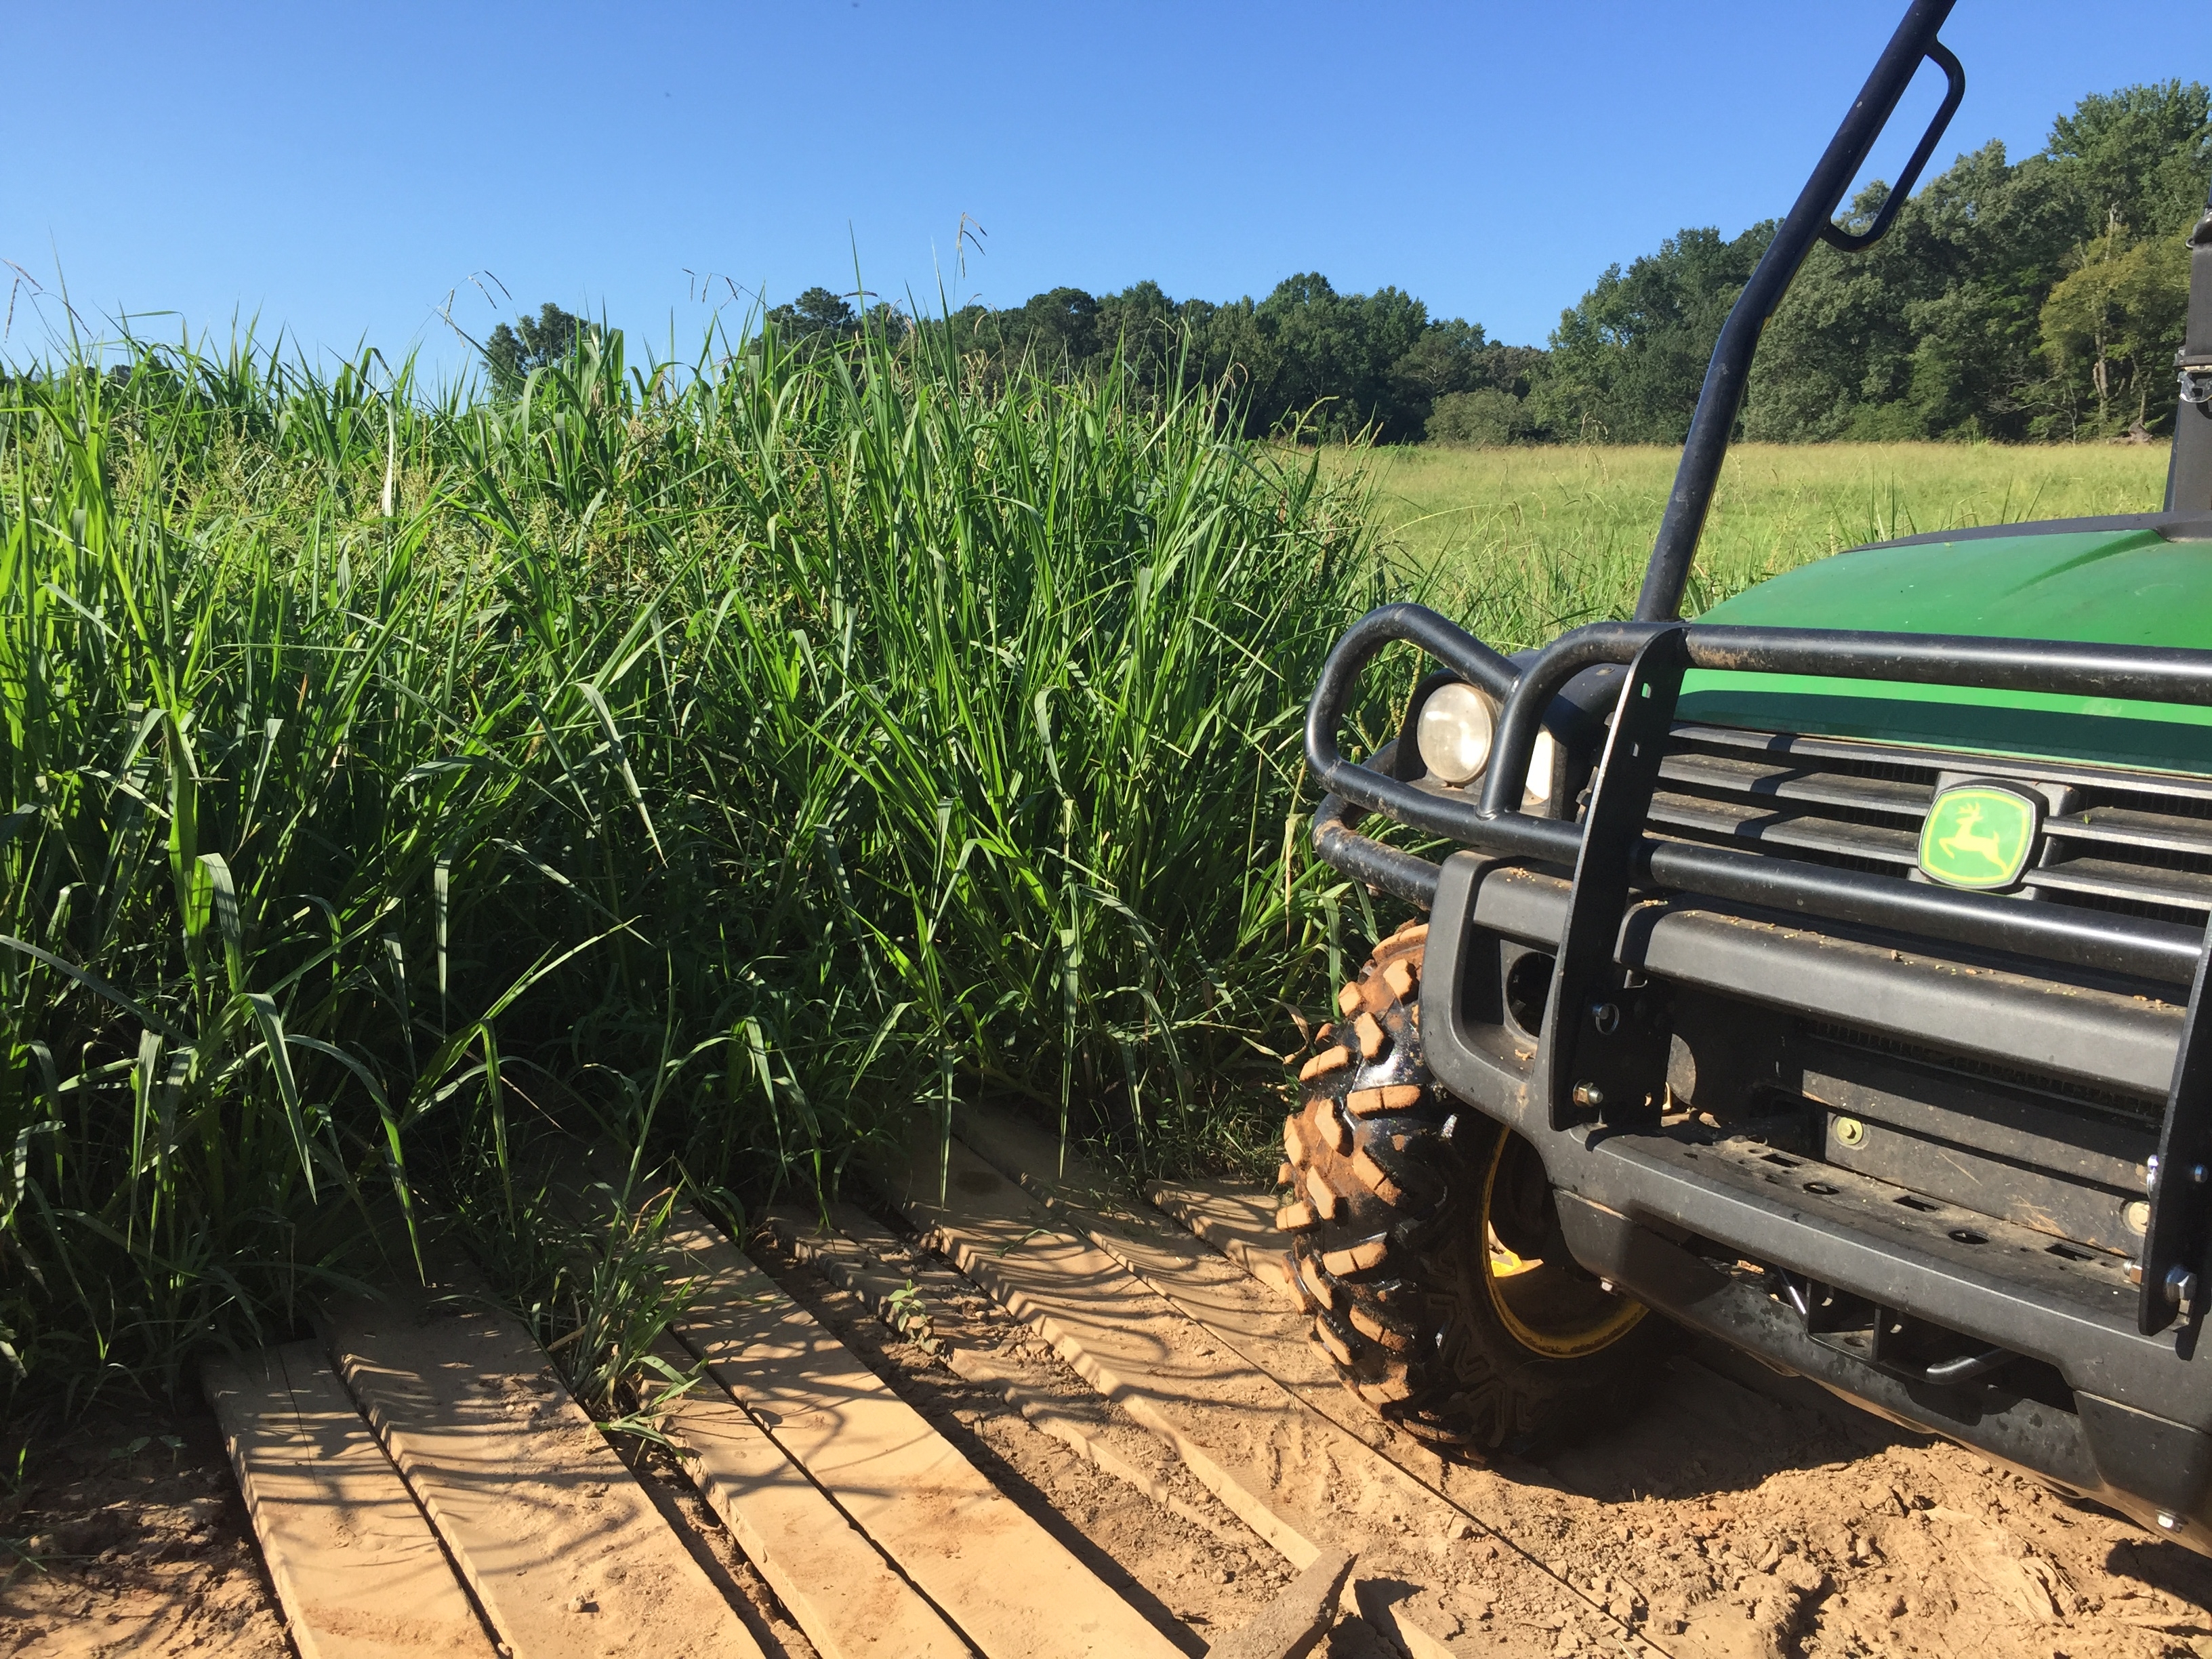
x=1294, y=1624
x=1328, y=1059
x=1371, y=1037
x=1335, y=1133
x=1322, y=1196
x=1370, y=1174
x=1359, y=1258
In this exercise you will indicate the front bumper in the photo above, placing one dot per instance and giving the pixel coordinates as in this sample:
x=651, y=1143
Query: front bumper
x=1625, y=921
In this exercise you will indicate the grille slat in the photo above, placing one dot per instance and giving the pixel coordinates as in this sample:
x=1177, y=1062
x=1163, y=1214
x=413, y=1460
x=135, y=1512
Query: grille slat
x=1752, y=778
x=2190, y=796
x=2123, y=828
x=1794, y=784
x=2110, y=879
x=1760, y=826
x=2126, y=840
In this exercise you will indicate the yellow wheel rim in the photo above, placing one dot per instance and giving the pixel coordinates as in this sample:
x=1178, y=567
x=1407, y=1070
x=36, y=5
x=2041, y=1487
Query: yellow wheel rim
x=1503, y=1264
x=1509, y=1279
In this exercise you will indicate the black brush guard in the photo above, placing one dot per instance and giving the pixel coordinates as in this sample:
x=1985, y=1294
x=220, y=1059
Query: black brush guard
x=1618, y=908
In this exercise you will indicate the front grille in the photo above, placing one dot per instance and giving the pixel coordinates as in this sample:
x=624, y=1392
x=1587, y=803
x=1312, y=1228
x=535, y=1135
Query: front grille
x=2111, y=841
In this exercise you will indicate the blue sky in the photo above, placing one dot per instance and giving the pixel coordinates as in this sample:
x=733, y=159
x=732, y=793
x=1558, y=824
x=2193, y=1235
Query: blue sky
x=340, y=171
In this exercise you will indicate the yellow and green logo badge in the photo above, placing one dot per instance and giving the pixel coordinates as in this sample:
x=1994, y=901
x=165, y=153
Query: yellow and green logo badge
x=1977, y=836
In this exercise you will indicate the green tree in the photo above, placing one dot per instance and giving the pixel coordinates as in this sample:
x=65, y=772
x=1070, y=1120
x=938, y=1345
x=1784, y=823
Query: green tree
x=816, y=312
x=551, y=337
x=2140, y=156
x=2109, y=329
x=1485, y=418
x=1143, y=324
x=820, y=320
x=1305, y=355
x=1953, y=325
x=1060, y=329
x=1931, y=333
x=1334, y=354
x=1938, y=330
x=1628, y=359
x=1449, y=358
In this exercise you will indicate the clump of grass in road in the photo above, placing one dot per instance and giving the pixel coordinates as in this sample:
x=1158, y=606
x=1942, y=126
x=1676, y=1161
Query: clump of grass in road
x=587, y=1272
x=1527, y=542
x=392, y=779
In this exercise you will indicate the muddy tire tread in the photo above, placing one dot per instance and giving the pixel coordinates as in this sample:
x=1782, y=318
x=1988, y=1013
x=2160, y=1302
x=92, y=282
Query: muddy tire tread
x=1384, y=1271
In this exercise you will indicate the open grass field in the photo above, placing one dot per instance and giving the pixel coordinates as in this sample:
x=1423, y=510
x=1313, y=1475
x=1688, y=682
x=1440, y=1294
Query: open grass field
x=1521, y=543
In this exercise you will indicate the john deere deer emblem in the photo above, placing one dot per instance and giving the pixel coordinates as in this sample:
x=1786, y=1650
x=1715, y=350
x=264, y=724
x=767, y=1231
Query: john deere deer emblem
x=1977, y=836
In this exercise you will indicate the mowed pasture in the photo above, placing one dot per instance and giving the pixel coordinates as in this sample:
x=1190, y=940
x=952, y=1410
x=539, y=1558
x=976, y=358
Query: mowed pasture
x=1521, y=543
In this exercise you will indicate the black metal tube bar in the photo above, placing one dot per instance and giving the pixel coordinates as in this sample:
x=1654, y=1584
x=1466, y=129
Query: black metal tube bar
x=2121, y=944
x=2154, y=673
x=1730, y=369
x=1515, y=744
x=1512, y=835
x=1366, y=859
x=2135, y=945
x=2151, y=674
x=1955, y=72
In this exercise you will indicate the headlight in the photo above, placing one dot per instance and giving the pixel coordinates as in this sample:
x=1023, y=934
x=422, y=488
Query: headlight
x=1457, y=722
x=1540, y=767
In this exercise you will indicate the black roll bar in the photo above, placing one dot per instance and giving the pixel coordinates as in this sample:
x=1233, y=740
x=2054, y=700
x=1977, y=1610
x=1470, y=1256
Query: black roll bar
x=1812, y=219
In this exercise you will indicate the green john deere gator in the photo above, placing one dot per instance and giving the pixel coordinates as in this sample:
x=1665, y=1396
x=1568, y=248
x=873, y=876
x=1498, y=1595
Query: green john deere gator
x=1827, y=975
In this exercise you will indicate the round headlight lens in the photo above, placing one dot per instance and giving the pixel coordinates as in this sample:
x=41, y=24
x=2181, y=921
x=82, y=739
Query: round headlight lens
x=1541, y=763
x=1456, y=726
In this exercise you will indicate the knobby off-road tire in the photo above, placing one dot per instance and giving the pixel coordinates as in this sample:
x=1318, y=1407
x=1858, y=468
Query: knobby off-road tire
x=1423, y=1241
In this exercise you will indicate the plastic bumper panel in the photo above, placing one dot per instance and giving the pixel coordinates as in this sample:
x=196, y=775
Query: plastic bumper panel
x=2009, y=1290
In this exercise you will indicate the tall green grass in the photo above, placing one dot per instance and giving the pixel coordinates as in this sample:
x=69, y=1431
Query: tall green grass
x=731, y=758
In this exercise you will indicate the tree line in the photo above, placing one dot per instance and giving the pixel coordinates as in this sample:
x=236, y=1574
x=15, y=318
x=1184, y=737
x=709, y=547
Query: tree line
x=2036, y=299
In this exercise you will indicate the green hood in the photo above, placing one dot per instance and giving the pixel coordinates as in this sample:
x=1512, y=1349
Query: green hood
x=2130, y=586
